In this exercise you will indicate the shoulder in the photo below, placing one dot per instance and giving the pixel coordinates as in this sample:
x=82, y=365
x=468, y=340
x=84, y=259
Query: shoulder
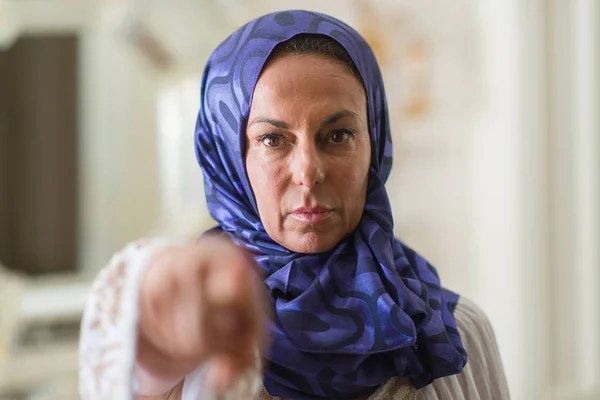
x=483, y=377
x=473, y=323
x=478, y=337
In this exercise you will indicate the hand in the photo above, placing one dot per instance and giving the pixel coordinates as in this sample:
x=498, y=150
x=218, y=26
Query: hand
x=198, y=304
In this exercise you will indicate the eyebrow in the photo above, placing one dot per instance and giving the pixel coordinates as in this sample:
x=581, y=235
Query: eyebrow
x=274, y=122
x=333, y=118
x=326, y=121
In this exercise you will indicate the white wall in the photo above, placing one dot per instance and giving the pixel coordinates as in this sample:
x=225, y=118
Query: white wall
x=535, y=191
x=507, y=190
x=119, y=176
x=575, y=169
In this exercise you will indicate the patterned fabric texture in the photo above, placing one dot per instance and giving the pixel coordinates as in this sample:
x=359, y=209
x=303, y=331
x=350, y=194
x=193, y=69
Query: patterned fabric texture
x=346, y=321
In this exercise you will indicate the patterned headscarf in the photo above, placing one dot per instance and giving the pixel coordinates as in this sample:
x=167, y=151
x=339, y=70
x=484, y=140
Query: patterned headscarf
x=344, y=321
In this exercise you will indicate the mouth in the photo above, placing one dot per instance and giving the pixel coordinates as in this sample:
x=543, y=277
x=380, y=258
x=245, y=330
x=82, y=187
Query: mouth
x=312, y=215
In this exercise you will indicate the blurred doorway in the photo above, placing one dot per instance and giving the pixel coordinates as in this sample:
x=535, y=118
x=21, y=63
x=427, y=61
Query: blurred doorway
x=38, y=155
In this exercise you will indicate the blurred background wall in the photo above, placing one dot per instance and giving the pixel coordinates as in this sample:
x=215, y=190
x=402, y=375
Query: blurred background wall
x=494, y=109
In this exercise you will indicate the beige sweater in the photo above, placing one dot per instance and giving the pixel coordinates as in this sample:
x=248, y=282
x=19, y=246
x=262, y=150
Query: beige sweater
x=108, y=346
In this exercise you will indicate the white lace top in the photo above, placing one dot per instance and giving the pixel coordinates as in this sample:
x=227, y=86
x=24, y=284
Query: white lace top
x=107, y=369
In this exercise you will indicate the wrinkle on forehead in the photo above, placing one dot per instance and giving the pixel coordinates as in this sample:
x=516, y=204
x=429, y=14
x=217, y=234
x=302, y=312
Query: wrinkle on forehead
x=320, y=87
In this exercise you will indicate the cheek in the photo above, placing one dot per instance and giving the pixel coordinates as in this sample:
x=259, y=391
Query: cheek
x=350, y=187
x=352, y=172
x=351, y=182
x=265, y=180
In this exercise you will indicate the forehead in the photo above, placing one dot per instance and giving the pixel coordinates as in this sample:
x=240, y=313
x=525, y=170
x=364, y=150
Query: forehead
x=313, y=81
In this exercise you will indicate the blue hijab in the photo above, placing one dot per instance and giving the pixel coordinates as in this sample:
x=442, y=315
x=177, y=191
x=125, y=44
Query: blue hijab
x=345, y=321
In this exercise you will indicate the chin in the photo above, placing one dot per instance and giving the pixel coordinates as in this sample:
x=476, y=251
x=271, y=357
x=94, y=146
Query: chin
x=312, y=242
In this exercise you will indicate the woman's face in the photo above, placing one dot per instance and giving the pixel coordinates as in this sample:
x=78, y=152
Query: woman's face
x=308, y=151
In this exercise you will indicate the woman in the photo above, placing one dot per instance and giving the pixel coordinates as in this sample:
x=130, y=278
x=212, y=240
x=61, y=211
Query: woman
x=294, y=142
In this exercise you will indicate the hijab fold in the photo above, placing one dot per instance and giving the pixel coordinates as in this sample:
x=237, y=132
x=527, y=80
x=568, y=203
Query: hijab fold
x=345, y=321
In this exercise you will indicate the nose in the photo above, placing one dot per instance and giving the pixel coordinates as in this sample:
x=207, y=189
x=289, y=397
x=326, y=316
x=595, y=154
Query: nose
x=307, y=165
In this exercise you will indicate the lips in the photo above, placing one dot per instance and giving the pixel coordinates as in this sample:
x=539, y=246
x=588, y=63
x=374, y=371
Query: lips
x=312, y=215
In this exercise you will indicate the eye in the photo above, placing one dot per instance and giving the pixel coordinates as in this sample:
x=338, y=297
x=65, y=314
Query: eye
x=340, y=135
x=271, y=140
